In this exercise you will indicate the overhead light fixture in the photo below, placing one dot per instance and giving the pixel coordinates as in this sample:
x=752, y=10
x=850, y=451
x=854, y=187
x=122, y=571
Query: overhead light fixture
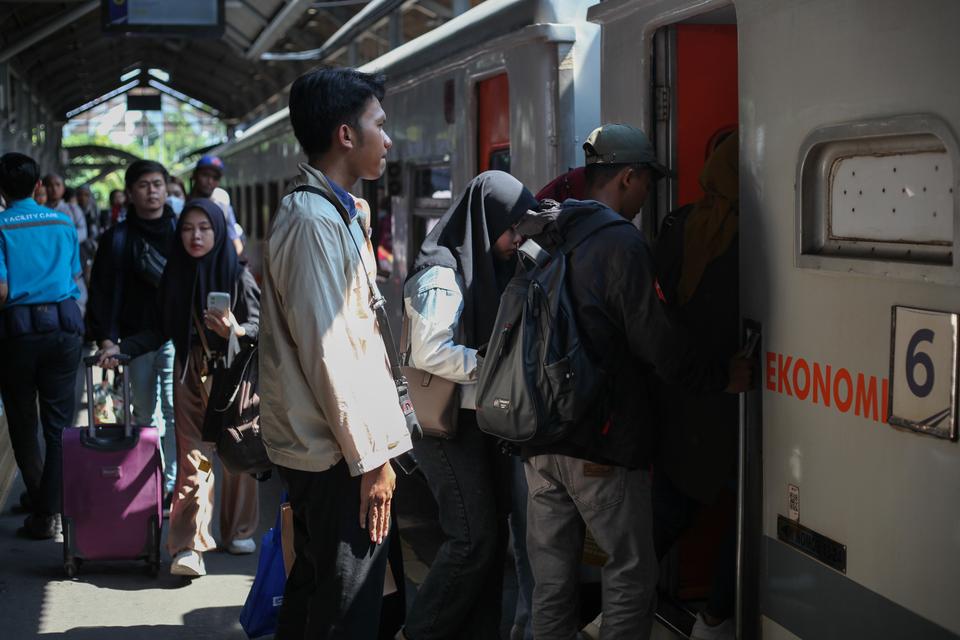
x=159, y=74
x=130, y=75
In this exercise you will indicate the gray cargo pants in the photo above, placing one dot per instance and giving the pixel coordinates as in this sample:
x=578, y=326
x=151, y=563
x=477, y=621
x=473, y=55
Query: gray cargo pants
x=614, y=503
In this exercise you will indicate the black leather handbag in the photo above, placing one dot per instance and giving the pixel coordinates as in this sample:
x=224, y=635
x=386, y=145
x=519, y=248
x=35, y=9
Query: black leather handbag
x=232, y=420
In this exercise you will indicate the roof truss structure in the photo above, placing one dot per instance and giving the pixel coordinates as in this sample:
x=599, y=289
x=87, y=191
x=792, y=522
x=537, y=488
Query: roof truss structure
x=59, y=49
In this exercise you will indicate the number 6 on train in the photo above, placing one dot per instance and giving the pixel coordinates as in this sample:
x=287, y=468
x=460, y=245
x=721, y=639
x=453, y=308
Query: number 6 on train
x=923, y=371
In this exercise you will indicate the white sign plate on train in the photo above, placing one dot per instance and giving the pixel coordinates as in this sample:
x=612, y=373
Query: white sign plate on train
x=923, y=371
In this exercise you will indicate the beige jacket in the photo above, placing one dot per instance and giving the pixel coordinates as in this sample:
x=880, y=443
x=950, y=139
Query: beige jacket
x=326, y=392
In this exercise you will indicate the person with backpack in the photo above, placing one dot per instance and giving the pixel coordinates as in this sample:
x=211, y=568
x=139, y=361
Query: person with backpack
x=593, y=471
x=451, y=299
x=124, y=283
x=202, y=261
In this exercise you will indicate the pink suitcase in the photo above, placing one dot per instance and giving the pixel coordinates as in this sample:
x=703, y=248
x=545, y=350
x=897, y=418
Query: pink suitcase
x=111, y=489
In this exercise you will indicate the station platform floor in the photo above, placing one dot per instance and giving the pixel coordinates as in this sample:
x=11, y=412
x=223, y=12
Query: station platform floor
x=114, y=601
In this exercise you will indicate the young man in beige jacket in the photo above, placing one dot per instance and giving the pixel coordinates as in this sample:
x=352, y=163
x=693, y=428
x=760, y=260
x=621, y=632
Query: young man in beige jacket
x=330, y=414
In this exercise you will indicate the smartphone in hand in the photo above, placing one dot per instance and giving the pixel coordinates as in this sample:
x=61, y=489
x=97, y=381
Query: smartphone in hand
x=218, y=302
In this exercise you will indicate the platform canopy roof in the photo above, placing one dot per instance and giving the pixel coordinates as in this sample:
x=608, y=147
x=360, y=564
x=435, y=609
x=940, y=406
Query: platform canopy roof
x=59, y=48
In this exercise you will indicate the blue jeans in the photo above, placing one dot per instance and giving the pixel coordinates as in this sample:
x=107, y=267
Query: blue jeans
x=461, y=595
x=151, y=377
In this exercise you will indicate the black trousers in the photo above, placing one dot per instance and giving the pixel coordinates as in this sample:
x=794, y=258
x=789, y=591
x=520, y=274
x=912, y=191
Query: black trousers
x=40, y=369
x=335, y=588
x=462, y=594
x=674, y=513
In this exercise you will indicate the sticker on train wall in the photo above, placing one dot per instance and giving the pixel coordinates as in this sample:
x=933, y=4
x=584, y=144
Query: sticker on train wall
x=923, y=371
x=793, y=502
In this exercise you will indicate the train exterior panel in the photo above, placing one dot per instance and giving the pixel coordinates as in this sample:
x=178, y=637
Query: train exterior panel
x=549, y=54
x=856, y=528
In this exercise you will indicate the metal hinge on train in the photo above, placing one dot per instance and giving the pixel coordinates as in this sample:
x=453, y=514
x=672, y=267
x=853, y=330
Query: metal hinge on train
x=661, y=99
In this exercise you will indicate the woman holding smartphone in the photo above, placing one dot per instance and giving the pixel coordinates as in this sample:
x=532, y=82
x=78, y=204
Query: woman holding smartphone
x=210, y=308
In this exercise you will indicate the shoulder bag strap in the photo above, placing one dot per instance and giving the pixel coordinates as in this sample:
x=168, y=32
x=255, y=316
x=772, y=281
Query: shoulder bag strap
x=377, y=301
x=207, y=354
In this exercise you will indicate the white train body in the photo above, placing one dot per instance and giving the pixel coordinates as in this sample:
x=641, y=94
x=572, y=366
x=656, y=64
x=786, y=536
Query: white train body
x=840, y=104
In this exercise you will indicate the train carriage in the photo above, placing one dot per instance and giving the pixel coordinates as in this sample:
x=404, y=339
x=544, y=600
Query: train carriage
x=847, y=114
x=511, y=85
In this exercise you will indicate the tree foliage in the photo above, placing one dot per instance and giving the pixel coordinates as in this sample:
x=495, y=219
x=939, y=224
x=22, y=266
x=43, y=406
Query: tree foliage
x=184, y=129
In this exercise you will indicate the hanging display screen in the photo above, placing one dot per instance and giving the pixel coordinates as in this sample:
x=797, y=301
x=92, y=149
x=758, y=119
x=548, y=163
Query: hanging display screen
x=188, y=17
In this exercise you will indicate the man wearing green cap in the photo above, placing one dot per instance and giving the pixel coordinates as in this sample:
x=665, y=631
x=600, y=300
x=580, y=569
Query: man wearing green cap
x=599, y=476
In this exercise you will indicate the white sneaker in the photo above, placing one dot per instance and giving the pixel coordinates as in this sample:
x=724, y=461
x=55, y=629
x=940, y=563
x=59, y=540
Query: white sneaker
x=188, y=563
x=592, y=630
x=702, y=631
x=242, y=546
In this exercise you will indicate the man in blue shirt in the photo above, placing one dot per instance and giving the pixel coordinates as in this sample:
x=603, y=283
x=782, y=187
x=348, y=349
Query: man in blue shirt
x=40, y=336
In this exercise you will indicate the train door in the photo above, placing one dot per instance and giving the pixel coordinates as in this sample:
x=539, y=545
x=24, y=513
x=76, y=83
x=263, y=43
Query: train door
x=493, y=124
x=695, y=94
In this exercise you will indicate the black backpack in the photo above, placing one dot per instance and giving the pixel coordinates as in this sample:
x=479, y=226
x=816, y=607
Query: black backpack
x=537, y=381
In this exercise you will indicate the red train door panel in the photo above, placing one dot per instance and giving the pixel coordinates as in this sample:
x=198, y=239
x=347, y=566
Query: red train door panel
x=706, y=105
x=493, y=124
x=706, y=92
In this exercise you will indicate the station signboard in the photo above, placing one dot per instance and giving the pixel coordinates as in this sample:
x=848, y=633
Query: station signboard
x=198, y=18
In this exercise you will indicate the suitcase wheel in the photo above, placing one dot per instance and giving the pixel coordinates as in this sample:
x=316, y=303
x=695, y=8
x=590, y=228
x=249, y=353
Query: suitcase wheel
x=70, y=568
x=154, y=569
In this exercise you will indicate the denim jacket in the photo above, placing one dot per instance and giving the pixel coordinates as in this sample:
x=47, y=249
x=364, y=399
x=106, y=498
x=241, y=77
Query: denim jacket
x=433, y=299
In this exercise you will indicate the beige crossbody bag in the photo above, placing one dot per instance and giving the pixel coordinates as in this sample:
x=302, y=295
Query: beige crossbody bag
x=436, y=399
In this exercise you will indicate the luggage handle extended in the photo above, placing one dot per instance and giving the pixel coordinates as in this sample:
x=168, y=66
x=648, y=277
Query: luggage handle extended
x=89, y=362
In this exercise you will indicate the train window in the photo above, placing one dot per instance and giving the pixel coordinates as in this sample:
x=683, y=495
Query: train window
x=250, y=211
x=493, y=120
x=260, y=211
x=882, y=197
x=432, y=192
x=420, y=226
x=381, y=235
x=500, y=160
x=240, y=209
x=894, y=207
x=273, y=202
x=432, y=186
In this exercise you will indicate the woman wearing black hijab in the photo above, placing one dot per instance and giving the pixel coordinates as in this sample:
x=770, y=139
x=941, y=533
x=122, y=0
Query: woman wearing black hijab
x=451, y=299
x=201, y=261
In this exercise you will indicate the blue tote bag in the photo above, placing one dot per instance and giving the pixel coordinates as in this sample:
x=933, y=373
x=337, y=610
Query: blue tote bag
x=259, y=614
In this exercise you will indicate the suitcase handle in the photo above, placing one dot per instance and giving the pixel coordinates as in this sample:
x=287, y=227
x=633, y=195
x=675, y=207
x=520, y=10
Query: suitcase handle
x=89, y=362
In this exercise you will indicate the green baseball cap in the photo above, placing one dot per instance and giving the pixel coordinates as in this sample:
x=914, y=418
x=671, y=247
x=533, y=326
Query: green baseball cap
x=622, y=144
